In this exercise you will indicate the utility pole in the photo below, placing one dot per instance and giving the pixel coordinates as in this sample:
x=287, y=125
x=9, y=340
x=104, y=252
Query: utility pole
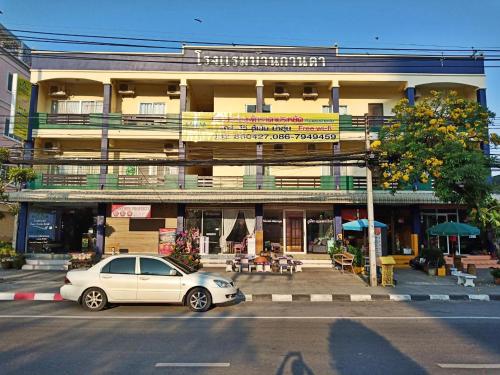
x=369, y=204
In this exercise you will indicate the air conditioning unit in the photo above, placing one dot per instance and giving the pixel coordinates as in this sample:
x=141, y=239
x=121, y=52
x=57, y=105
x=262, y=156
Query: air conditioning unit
x=280, y=92
x=51, y=147
x=126, y=89
x=173, y=91
x=310, y=93
x=169, y=148
x=57, y=91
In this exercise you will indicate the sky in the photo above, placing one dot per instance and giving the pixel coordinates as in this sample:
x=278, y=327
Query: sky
x=352, y=23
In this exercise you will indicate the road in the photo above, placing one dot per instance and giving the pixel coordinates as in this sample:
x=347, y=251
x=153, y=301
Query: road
x=252, y=338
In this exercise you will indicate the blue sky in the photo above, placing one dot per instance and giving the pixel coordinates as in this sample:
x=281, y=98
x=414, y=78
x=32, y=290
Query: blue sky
x=382, y=23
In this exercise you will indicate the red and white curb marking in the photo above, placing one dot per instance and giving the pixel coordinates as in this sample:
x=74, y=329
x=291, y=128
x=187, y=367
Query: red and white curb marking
x=30, y=296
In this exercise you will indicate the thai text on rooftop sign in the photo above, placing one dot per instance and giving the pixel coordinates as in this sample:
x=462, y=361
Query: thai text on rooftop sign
x=260, y=127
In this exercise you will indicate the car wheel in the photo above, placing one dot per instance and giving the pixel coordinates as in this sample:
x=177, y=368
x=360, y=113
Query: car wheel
x=199, y=300
x=94, y=299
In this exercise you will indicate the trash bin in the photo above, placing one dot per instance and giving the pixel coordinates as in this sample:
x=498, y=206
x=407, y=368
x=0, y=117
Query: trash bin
x=387, y=263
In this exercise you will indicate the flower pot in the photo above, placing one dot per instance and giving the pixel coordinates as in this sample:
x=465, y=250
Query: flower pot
x=431, y=271
x=358, y=270
x=441, y=271
x=6, y=264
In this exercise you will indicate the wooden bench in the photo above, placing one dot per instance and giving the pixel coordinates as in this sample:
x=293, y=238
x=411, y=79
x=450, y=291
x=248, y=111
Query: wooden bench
x=465, y=279
x=344, y=259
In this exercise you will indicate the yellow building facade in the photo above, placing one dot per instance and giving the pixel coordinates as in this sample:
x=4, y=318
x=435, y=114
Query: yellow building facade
x=179, y=133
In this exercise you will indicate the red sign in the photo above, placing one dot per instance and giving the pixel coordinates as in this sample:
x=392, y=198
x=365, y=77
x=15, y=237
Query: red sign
x=167, y=241
x=131, y=210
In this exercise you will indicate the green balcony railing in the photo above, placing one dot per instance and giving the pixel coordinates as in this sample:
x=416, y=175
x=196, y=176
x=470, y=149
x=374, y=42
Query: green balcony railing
x=193, y=182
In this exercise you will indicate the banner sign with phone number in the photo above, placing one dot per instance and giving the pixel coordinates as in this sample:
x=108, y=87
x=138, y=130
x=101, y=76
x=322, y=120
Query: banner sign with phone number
x=260, y=127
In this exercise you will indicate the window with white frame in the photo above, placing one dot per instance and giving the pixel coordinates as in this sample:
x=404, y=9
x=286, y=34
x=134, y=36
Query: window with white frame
x=152, y=108
x=326, y=109
x=10, y=81
x=76, y=106
x=343, y=110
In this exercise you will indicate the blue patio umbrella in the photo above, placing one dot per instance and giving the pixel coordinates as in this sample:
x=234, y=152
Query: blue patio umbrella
x=359, y=225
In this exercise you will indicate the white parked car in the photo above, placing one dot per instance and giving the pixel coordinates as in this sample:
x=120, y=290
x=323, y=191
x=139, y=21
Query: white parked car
x=146, y=278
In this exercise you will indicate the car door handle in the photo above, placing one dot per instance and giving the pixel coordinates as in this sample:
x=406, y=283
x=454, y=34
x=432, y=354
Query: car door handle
x=144, y=277
x=106, y=276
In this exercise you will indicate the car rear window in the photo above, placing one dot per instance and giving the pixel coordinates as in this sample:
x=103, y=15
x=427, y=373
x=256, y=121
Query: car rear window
x=120, y=266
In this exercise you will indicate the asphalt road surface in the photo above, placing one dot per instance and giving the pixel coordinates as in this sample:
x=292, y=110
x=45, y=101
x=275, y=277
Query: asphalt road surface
x=253, y=338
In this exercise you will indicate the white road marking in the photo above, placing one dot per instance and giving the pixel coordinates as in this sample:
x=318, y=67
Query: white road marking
x=282, y=298
x=479, y=297
x=44, y=297
x=439, y=297
x=321, y=298
x=360, y=297
x=399, y=297
x=6, y=296
x=243, y=317
x=187, y=364
x=470, y=365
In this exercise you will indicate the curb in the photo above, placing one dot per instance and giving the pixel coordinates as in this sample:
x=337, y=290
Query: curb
x=367, y=297
x=30, y=296
x=56, y=297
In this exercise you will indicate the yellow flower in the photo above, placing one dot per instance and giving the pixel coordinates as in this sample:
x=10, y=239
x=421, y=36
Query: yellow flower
x=386, y=185
x=376, y=144
x=406, y=178
x=433, y=121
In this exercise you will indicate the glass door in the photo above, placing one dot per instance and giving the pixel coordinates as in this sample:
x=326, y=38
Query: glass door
x=212, y=228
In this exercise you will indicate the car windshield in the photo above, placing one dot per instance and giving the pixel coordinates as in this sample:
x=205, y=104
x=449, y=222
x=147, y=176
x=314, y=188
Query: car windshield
x=184, y=267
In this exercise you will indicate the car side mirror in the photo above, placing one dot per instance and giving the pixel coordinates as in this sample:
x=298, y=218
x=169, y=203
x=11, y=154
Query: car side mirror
x=173, y=272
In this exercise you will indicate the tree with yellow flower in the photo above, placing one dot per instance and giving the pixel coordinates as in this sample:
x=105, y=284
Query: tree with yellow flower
x=440, y=140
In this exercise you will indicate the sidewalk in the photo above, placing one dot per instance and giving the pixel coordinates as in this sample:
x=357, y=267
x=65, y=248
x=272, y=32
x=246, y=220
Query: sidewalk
x=317, y=282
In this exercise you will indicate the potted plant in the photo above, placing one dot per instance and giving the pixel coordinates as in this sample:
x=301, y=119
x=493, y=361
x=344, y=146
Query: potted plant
x=496, y=275
x=358, y=258
x=434, y=260
x=6, y=255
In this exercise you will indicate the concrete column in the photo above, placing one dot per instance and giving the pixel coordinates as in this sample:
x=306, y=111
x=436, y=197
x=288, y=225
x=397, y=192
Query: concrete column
x=410, y=95
x=181, y=211
x=32, y=118
x=101, y=229
x=259, y=227
x=22, y=227
x=338, y=220
x=182, y=145
x=106, y=109
x=415, y=229
x=335, y=170
x=259, y=178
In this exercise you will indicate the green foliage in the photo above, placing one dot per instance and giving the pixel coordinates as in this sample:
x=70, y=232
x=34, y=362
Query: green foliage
x=358, y=255
x=4, y=155
x=496, y=273
x=19, y=175
x=434, y=257
x=439, y=139
x=337, y=248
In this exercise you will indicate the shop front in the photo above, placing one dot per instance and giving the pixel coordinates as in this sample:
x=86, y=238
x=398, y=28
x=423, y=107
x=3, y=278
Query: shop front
x=61, y=228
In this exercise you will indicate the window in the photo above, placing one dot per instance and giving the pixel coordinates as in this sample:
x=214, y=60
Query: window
x=120, y=266
x=326, y=109
x=6, y=129
x=10, y=81
x=343, y=110
x=252, y=108
x=76, y=106
x=152, y=108
x=154, y=267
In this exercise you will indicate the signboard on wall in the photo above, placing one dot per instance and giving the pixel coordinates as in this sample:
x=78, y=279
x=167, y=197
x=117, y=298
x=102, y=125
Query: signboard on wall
x=131, y=210
x=41, y=225
x=22, y=108
x=167, y=241
x=260, y=127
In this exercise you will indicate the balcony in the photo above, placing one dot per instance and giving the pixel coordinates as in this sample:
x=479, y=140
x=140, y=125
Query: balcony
x=116, y=121
x=194, y=182
x=358, y=123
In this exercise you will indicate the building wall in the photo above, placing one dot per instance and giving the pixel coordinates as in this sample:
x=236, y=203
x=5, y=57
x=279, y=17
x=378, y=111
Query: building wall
x=6, y=224
x=8, y=65
x=147, y=93
x=119, y=235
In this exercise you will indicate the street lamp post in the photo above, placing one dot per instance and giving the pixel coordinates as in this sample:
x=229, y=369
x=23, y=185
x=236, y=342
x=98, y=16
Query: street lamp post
x=369, y=203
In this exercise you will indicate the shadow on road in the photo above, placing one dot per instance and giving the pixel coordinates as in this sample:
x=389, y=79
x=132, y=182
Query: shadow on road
x=356, y=349
x=293, y=364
